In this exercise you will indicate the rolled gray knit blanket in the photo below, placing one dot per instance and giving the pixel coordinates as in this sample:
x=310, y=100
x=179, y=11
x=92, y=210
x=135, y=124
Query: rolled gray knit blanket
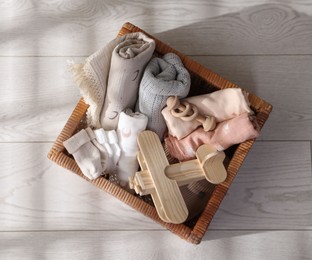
x=163, y=77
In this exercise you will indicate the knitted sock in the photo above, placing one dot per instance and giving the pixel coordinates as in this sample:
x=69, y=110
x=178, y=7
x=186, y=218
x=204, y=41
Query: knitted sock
x=103, y=152
x=129, y=126
x=163, y=77
x=222, y=104
x=109, y=140
x=128, y=62
x=226, y=134
x=86, y=155
x=113, y=142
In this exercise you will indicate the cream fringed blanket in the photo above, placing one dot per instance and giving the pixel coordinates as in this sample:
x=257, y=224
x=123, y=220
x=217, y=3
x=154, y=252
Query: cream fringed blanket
x=109, y=79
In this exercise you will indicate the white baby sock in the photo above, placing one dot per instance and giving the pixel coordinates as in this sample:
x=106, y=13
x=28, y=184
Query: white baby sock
x=109, y=140
x=128, y=62
x=129, y=126
x=163, y=77
x=103, y=152
x=86, y=155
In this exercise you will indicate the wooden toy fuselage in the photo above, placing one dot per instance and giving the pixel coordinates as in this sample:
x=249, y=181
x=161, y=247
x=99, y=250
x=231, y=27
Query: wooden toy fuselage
x=162, y=180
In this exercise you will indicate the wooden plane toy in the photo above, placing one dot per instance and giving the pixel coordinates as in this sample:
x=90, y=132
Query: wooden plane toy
x=162, y=180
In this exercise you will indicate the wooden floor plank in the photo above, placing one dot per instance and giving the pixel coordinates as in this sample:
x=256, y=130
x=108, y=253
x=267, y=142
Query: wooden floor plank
x=46, y=212
x=38, y=94
x=66, y=28
x=271, y=191
x=36, y=194
x=259, y=30
x=253, y=244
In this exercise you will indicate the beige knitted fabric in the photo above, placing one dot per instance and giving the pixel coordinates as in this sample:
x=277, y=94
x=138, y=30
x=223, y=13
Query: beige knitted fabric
x=109, y=141
x=105, y=163
x=92, y=75
x=128, y=62
x=91, y=78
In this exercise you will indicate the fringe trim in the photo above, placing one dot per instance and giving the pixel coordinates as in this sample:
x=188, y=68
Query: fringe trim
x=90, y=90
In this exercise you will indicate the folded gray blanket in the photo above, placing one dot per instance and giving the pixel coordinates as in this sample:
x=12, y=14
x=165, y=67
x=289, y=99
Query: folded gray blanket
x=163, y=77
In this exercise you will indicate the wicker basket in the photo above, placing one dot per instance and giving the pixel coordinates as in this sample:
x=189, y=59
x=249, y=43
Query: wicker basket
x=203, y=81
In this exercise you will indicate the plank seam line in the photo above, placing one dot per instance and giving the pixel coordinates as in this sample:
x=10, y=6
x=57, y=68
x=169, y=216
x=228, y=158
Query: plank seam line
x=188, y=54
x=150, y=230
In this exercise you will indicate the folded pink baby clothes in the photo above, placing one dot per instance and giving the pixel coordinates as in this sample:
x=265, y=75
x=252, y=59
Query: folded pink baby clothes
x=222, y=104
x=226, y=134
x=184, y=149
x=235, y=131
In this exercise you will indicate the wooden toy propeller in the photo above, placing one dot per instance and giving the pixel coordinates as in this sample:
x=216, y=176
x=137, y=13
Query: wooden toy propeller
x=162, y=181
x=189, y=112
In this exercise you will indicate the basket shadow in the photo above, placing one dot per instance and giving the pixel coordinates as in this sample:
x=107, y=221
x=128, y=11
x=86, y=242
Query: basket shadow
x=264, y=29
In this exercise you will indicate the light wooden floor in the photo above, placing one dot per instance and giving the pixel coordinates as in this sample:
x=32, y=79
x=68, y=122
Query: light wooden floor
x=47, y=212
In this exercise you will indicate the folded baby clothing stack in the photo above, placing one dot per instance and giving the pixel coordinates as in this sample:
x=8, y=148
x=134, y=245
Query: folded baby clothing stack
x=222, y=104
x=109, y=82
x=128, y=62
x=109, y=79
x=235, y=124
x=126, y=88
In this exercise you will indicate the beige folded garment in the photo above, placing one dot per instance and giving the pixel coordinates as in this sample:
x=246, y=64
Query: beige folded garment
x=106, y=72
x=222, y=104
x=128, y=63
